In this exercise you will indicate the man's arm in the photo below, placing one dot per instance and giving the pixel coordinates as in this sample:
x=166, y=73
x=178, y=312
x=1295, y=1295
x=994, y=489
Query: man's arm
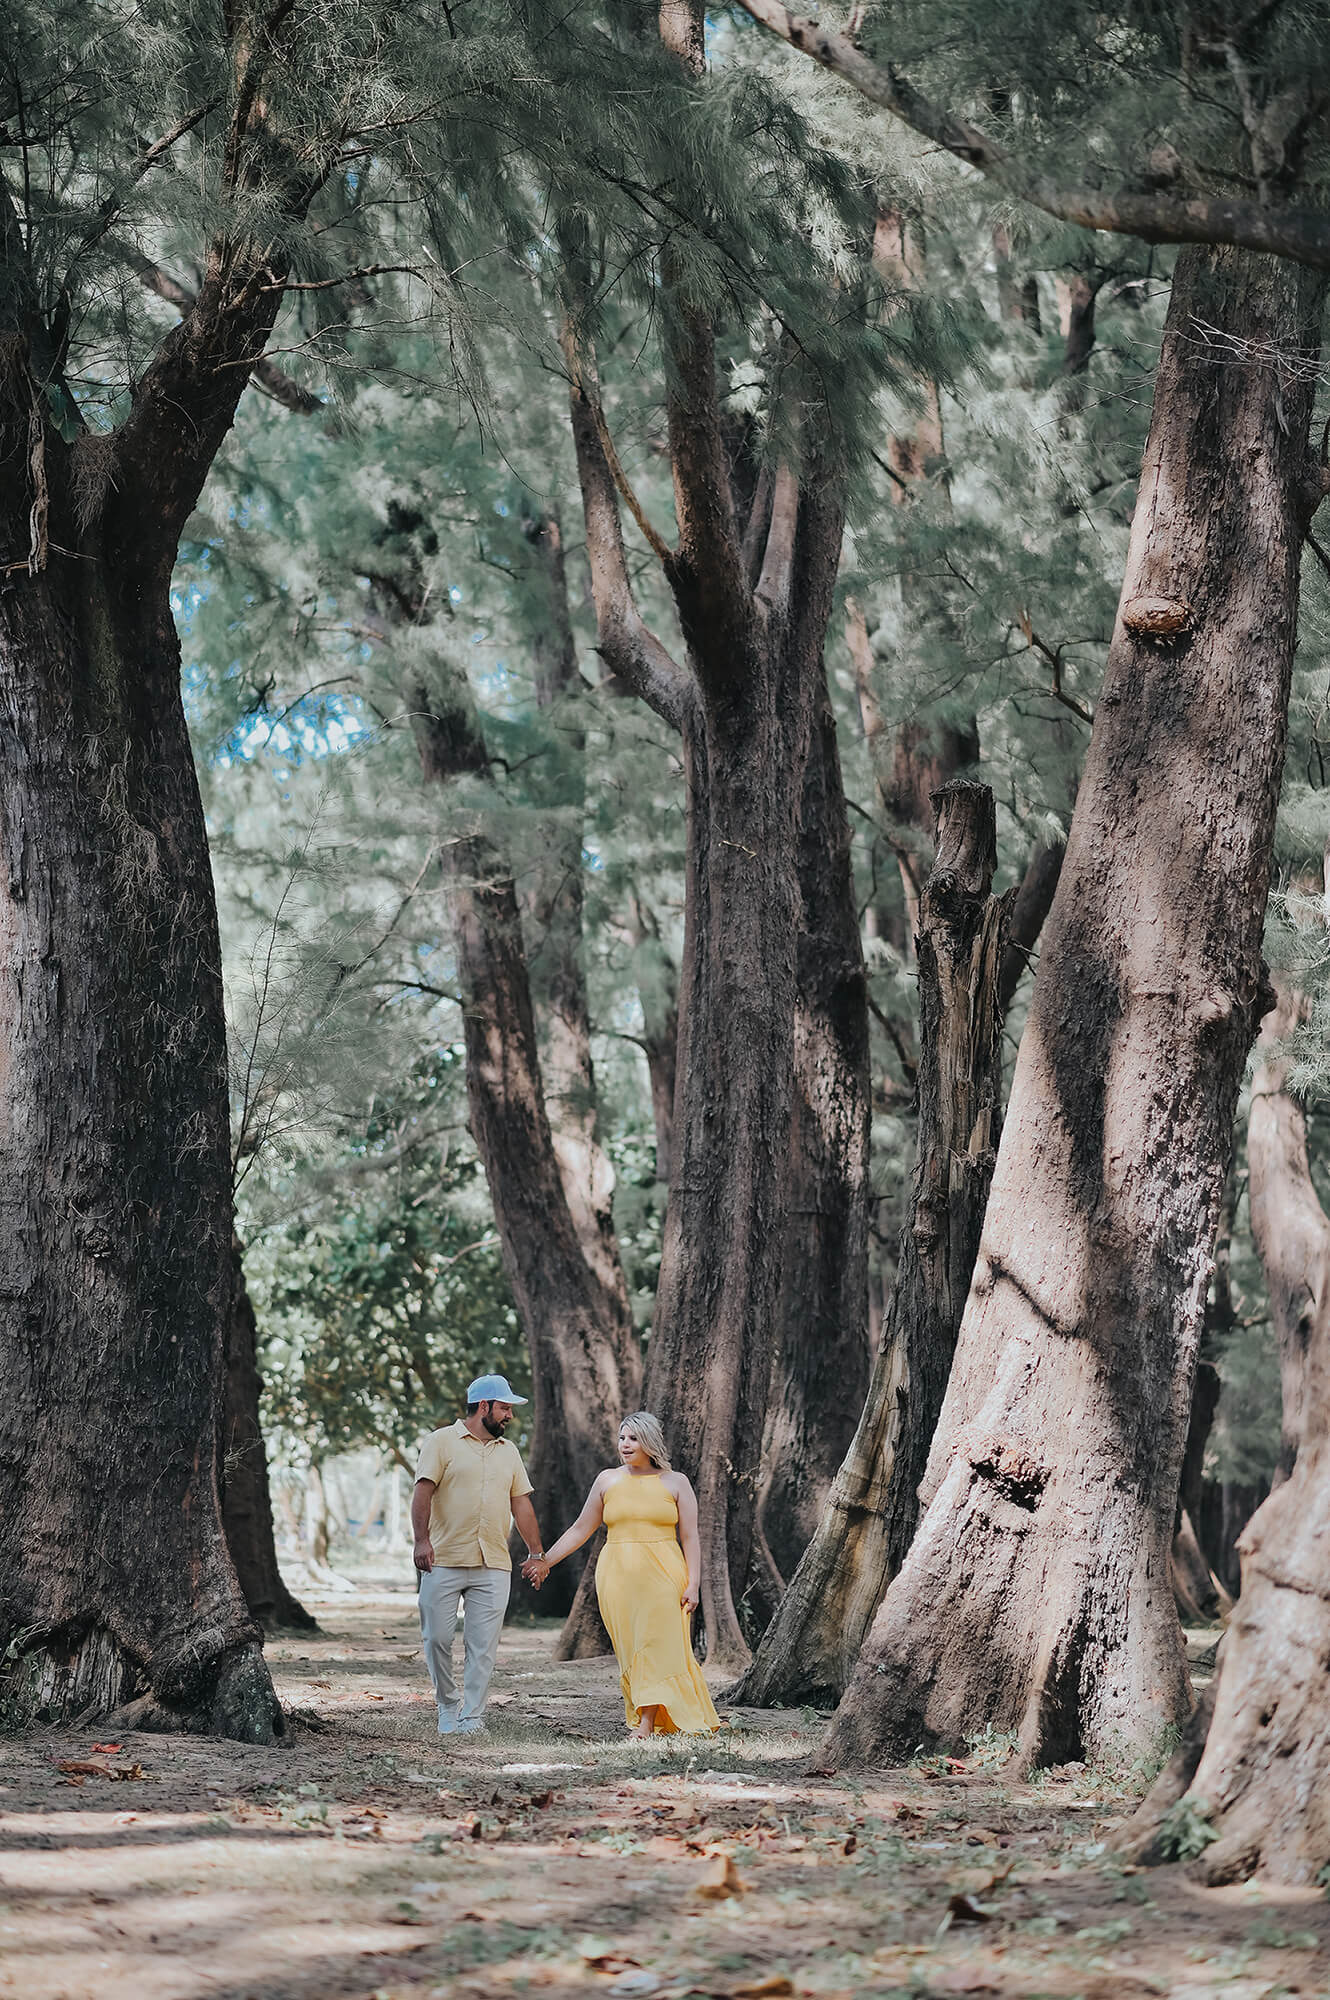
x=422, y=1494
x=524, y=1519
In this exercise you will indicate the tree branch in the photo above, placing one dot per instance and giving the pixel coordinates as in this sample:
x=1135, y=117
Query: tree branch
x=1302, y=234
x=629, y=649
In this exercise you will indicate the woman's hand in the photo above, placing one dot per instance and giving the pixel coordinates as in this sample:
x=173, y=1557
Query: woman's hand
x=535, y=1569
x=689, y=1598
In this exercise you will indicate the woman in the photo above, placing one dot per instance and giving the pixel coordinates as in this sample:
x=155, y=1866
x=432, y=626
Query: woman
x=645, y=1583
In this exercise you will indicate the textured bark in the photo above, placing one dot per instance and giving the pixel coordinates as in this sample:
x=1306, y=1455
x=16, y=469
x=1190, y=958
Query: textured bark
x=710, y=1356
x=744, y=705
x=1036, y=1597
x=821, y=1367
x=744, y=702
x=1289, y=1226
x=243, y=1470
x=810, y=1649
x=1257, y=1768
x=115, y=1197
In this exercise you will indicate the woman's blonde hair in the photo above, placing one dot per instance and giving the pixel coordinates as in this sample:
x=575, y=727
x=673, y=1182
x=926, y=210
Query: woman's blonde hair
x=646, y=1429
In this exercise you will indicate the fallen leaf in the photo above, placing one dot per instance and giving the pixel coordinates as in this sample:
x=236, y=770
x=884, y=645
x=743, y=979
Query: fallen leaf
x=851, y=1842
x=722, y=1879
x=108, y=1749
x=371, y=1696
x=757, y=1989
x=502, y=1700
x=542, y=1799
x=474, y=1917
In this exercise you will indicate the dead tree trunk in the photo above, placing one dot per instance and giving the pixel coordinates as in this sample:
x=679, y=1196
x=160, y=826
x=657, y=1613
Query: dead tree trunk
x=243, y=1469
x=810, y=1648
x=1290, y=1228
x=1036, y=1594
x=821, y=1367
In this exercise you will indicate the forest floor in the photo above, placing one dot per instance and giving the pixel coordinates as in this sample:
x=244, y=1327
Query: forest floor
x=368, y=1857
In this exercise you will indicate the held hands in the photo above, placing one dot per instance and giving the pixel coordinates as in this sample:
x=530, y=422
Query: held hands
x=535, y=1569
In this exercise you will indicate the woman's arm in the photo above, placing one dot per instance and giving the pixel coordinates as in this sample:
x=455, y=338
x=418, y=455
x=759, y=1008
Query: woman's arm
x=583, y=1528
x=691, y=1542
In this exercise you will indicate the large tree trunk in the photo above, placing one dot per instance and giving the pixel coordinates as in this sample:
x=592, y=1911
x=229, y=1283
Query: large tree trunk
x=114, y=1168
x=744, y=705
x=1036, y=1595
x=1252, y=1763
x=709, y=1359
x=243, y=1471
x=1289, y=1226
x=115, y=1191
x=821, y=1366
x=811, y=1646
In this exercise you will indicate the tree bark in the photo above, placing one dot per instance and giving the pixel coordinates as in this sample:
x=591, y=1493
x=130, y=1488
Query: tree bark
x=810, y=1648
x=821, y=1368
x=243, y=1470
x=1253, y=1766
x=1289, y=1226
x=709, y=1359
x=1036, y=1597
x=115, y=1581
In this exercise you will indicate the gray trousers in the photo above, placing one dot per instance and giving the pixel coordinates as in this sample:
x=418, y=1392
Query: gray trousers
x=483, y=1595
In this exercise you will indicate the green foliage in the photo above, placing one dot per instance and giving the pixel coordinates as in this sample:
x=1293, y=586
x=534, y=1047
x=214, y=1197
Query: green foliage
x=380, y=1305
x=1185, y=1830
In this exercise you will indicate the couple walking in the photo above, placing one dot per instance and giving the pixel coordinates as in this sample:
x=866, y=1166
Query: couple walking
x=470, y=1480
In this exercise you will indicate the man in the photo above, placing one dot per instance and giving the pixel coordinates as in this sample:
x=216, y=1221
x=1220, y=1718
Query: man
x=468, y=1482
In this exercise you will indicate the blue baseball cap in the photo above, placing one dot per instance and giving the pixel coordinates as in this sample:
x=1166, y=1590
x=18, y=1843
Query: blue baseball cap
x=492, y=1389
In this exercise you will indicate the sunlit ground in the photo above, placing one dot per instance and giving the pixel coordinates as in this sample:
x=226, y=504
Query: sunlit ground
x=368, y=1857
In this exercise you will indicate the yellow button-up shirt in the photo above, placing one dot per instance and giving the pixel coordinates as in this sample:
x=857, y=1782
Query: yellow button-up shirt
x=475, y=1484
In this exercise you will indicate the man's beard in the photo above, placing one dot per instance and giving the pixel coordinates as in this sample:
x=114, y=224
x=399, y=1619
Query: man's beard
x=496, y=1426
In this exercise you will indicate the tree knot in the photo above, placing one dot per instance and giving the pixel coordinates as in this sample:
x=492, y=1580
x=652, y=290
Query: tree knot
x=1157, y=617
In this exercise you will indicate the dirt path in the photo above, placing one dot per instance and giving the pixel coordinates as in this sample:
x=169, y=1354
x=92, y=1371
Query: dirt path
x=367, y=1857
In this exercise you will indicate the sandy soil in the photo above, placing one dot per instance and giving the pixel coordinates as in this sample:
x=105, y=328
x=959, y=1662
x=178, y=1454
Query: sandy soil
x=369, y=1857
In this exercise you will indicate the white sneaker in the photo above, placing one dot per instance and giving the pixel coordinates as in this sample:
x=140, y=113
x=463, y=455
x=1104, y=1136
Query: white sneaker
x=447, y=1724
x=470, y=1729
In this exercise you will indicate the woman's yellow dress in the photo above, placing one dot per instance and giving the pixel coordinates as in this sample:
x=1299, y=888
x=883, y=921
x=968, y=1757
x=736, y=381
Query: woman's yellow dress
x=641, y=1577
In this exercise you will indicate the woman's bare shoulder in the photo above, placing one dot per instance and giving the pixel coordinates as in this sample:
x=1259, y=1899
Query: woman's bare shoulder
x=677, y=1482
